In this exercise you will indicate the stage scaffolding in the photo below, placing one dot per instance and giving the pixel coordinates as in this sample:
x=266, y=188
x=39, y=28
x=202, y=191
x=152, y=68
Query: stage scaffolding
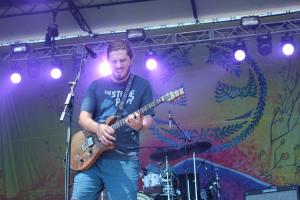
x=164, y=41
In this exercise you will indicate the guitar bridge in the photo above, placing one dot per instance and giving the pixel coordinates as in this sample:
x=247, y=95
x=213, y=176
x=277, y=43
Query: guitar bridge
x=88, y=143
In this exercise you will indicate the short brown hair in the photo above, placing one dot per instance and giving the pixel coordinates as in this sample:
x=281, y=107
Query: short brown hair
x=119, y=45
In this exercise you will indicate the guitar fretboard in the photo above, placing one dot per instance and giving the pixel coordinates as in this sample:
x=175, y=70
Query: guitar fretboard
x=119, y=123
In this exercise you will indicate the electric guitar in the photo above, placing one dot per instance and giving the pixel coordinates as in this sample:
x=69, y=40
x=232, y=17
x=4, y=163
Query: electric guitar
x=86, y=148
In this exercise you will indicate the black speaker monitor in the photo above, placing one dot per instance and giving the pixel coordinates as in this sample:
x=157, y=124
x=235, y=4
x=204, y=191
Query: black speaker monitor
x=277, y=193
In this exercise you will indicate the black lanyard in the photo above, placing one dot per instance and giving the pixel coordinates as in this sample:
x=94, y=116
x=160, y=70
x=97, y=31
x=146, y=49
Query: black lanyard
x=120, y=108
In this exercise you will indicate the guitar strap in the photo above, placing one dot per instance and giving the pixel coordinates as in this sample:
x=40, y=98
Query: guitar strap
x=120, y=108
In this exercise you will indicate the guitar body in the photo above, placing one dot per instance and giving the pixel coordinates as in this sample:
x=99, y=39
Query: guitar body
x=86, y=148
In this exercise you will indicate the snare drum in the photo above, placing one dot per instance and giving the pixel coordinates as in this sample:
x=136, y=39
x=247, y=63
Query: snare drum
x=142, y=196
x=152, y=184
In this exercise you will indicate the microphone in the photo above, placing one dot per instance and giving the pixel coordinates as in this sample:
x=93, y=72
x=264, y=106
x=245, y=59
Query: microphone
x=170, y=119
x=90, y=52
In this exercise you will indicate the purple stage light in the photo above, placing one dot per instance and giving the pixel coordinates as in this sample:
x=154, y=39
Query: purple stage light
x=56, y=73
x=239, y=55
x=288, y=49
x=15, y=78
x=151, y=64
x=104, y=68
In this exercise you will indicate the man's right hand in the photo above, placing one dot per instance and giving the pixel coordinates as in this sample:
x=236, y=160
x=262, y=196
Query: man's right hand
x=105, y=134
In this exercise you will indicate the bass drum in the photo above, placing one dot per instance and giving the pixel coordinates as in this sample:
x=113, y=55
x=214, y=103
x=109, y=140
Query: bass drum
x=142, y=196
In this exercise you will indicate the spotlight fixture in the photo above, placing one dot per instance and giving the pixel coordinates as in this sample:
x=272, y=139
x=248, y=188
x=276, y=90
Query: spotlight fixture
x=56, y=69
x=151, y=60
x=239, y=50
x=56, y=73
x=15, y=78
x=264, y=44
x=51, y=34
x=19, y=48
x=288, y=47
x=52, y=30
x=16, y=74
x=250, y=21
x=135, y=35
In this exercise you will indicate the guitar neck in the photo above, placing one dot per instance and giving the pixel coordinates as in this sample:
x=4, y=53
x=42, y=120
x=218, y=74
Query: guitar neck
x=119, y=123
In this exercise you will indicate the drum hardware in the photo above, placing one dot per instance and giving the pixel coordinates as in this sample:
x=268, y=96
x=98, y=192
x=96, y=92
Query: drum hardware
x=152, y=184
x=169, y=153
x=195, y=177
x=197, y=147
x=214, y=187
x=142, y=196
x=190, y=149
x=168, y=185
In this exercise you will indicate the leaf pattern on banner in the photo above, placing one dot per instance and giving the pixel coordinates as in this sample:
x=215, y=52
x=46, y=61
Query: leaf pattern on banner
x=222, y=56
x=173, y=59
x=220, y=133
x=243, y=116
x=225, y=92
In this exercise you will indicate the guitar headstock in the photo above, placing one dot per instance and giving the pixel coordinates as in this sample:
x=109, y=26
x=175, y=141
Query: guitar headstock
x=173, y=95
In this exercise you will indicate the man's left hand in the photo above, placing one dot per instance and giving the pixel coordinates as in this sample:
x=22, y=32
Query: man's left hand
x=135, y=121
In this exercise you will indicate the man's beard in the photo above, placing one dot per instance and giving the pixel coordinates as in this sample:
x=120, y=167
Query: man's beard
x=120, y=77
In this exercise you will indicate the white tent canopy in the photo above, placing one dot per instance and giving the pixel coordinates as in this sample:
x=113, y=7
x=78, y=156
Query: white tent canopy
x=116, y=18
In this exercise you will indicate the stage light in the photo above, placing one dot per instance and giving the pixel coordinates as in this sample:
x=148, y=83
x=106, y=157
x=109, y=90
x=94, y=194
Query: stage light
x=288, y=49
x=19, y=48
x=51, y=34
x=264, y=44
x=239, y=50
x=16, y=78
x=151, y=64
x=250, y=22
x=104, y=68
x=56, y=73
x=151, y=61
x=239, y=55
x=135, y=35
x=287, y=45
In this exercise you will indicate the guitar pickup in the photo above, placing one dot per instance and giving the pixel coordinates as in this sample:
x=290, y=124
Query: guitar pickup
x=90, y=142
x=87, y=143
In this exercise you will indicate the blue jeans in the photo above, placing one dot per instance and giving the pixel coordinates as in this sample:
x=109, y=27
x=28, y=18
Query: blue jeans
x=118, y=177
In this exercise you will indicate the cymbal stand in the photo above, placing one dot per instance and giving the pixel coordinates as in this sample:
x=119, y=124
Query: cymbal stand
x=215, y=187
x=167, y=171
x=186, y=139
x=195, y=177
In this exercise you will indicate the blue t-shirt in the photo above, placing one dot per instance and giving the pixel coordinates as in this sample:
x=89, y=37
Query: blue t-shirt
x=102, y=99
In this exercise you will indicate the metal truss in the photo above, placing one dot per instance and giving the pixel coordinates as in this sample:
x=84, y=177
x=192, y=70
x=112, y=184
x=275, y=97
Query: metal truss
x=47, y=6
x=79, y=18
x=200, y=37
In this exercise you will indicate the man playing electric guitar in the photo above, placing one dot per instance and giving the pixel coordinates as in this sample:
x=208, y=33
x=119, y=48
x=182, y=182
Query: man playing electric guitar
x=116, y=169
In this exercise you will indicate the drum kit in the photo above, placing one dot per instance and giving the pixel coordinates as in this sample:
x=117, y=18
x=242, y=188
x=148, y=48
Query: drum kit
x=167, y=185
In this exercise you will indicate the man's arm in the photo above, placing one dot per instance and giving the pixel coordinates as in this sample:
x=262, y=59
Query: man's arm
x=103, y=131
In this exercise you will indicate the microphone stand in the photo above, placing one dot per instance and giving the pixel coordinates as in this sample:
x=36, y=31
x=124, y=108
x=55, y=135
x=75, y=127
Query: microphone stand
x=186, y=139
x=68, y=110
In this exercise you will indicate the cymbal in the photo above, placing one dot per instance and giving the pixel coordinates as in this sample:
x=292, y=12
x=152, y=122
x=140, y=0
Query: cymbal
x=197, y=147
x=171, y=153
